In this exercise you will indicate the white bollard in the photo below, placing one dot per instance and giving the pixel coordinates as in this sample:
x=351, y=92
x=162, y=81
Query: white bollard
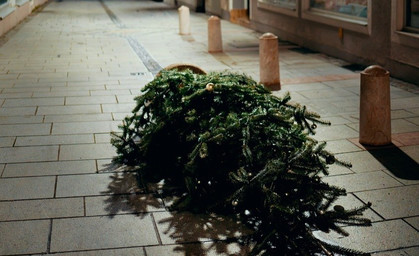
x=269, y=61
x=215, y=42
x=184, y=22
x=374, y=109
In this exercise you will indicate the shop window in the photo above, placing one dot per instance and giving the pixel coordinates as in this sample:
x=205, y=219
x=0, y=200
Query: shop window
x=291, y=4
x=288, y=7
x=354, y=15
x=353, y=8
x=412, y=16
x=404, y=22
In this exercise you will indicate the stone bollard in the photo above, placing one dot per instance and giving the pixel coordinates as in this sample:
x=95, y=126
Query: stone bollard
x=269, y=61
x=184, y=22
x=215, y=42
x=374, y=116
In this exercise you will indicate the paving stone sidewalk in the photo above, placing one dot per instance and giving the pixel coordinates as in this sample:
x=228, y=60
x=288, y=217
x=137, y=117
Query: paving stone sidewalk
x=68, y=76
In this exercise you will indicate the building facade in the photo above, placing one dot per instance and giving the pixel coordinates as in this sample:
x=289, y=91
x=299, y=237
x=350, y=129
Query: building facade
x=14, y=11
x=384, y=32
x=366, y=32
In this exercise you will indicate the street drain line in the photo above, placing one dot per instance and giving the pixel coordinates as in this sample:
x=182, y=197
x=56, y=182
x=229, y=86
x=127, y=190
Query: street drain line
x=148, y=61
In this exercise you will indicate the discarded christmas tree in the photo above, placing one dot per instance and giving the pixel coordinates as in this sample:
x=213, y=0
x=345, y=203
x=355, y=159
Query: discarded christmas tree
x=223, y=143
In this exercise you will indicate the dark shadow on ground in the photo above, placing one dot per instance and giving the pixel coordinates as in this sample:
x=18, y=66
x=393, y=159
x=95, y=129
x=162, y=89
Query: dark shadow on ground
x=124, y=196
x=193, y=234
x=203, y=234
x=396, y=161
x=156, y=8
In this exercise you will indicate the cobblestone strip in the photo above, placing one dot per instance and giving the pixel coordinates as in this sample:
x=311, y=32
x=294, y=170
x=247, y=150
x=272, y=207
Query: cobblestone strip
x=141, y=52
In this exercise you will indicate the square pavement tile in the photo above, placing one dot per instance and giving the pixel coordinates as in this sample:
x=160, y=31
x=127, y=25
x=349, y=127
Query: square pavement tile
x=92, y=233
x=403, y=126
x=12, y=120
x=361, y=161
x=207, y=248
x=334, y=132
x=405, y=168
x=77, y=118
x=119, y=108
x=84, y=185
x=122, y=204
x=414, y=221
x=34, y=102
x=97, y=184
x=341, y=146
x=187, y=227
x=27, y=188
x=102, y=99
x=363, y=181
x=25, y=129
x=401, y=113
x=350, y=202
x=393, y=203
x=414, y=120
x=28, y=154
x=41, y=209
x=87, y=151
x=412, y=152
x=18, y=111
x=50, y=168
x=398, y=126
x=7, y=142
x=85, y=127
x=414, y=251
x=139, y=251
x=53, y=140
x=336, y=169
x=69, y=110
x=381, y=236
x=407, y=139
x=404, y=103
x=24, y=237
x=103, y=137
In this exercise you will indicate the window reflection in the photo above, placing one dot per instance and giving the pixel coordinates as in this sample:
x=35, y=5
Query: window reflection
x=281, y=3
x=358, y=8
x=412, y=14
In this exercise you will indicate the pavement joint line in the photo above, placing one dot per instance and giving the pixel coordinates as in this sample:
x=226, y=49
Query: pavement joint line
x=49, y=236
x=404, y=219
x=156, y=230
x=84, y=206
x=55, y=186
x=2, y=170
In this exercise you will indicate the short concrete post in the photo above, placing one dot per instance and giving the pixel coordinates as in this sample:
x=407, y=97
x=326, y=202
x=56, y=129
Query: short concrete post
x=215, y=42
x=374, y=116
x=269, y=61
x=184, y=22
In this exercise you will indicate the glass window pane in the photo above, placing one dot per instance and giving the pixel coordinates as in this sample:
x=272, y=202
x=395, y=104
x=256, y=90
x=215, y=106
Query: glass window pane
x=3, y=2
x=413, y=13
x=281, y=3
x=357, y=8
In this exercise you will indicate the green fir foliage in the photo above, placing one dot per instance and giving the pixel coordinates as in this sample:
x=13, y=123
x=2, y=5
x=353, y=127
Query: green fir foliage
x=223, y=143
